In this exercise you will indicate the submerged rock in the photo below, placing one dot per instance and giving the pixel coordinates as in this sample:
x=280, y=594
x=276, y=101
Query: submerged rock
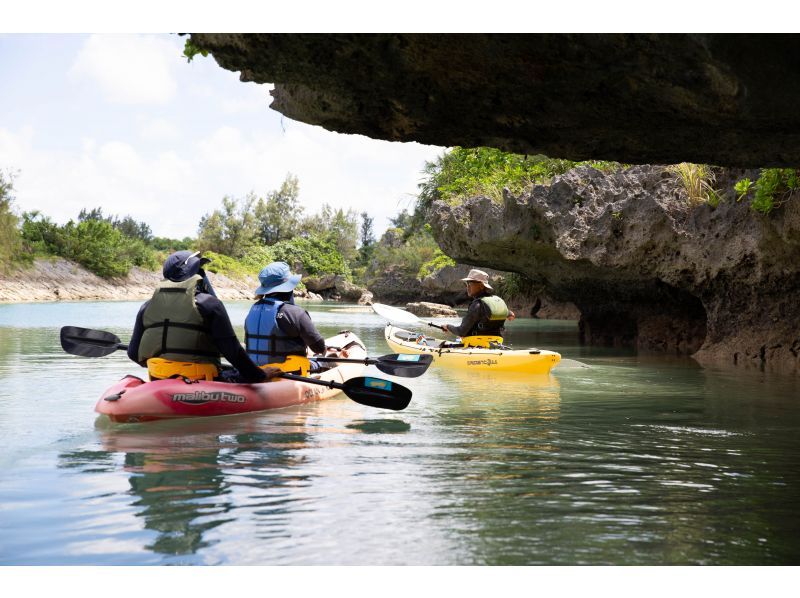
x=432, y=310
x=643, y=266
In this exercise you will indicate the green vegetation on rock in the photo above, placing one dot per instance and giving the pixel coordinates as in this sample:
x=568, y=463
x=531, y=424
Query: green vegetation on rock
x=468, y=172
x=773, y=188
x=698, y=182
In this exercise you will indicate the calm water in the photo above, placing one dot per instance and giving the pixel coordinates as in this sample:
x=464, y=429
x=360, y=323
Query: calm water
x=634, y=461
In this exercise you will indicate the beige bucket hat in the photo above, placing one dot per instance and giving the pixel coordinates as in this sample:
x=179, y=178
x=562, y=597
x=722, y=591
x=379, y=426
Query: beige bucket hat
x=478, y=276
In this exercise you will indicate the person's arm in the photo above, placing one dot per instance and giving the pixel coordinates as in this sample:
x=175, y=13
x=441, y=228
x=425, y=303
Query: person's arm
x=296, y=320
x=136, y=336
x=468, y=322
x=224, y=337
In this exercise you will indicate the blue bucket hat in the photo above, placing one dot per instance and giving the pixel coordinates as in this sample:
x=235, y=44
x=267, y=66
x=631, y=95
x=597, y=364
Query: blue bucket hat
x=183, y=264
x=277, y=278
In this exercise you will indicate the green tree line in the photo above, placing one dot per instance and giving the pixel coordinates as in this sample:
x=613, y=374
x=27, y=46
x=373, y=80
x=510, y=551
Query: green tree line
x=241, y=235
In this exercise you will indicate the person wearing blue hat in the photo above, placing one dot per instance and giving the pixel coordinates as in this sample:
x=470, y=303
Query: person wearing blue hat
x=185, y=327
x=276, y=328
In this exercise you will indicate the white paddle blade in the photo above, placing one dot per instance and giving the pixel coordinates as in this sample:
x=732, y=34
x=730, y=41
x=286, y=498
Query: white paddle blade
x=395, y=314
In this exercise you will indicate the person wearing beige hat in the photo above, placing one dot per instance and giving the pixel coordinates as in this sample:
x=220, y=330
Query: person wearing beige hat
x=486, y=313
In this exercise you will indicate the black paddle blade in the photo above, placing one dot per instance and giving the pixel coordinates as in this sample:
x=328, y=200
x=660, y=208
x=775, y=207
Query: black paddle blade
x=403, y=365
x=88, y=343
x=377, y=392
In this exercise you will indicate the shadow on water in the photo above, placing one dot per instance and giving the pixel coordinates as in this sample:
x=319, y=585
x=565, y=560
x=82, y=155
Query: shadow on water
x=380, y=426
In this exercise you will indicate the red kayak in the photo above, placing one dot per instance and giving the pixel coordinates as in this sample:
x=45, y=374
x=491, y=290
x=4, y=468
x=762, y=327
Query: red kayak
x=134, y=400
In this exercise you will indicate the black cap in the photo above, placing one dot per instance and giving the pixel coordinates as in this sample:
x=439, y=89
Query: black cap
x=183, y=264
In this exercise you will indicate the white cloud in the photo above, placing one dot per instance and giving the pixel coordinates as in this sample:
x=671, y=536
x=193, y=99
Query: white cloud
x=348, y=171
x=129, y=69
x=159, y=129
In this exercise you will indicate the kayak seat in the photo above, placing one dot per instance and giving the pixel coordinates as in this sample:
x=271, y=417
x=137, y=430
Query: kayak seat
x=160, y=369
x=293, y=364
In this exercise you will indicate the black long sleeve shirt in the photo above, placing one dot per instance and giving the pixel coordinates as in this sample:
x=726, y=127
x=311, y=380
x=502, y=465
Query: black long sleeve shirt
x=295, y=321
x=477, y=312
x=221, y=330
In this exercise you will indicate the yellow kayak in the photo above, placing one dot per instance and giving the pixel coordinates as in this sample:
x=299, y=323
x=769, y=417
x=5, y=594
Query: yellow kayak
x=449, y=354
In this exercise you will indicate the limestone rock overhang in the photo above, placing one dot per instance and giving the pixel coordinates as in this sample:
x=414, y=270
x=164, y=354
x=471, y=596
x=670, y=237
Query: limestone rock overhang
x=724, y=99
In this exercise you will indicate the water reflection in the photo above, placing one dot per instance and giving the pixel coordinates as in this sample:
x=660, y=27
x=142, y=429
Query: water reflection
x=183, y=475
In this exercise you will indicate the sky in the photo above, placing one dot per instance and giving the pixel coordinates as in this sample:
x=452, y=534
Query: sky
x=124, y=122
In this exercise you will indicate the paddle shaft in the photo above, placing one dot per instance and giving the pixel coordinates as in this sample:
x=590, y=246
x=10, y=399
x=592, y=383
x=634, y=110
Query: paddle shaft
x=328, y=383
x=365, y=361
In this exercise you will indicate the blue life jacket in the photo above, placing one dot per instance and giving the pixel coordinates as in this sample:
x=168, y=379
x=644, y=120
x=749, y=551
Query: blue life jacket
x=264, y=341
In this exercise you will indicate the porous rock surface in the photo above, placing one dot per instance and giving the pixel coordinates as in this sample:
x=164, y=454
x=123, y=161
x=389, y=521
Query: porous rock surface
x=727, y=99
x=643, y=266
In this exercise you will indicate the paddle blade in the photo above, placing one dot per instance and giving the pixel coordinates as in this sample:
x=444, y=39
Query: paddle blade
x=88, y=343
x=395, y=314
x=404, y=366
x=377, y=392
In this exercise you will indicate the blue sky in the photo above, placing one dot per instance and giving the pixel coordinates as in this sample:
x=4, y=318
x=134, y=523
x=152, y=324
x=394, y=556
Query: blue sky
x=124, y=122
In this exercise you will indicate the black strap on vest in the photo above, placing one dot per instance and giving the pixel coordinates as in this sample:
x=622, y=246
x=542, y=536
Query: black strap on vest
x=267, y=337
x=166, y=324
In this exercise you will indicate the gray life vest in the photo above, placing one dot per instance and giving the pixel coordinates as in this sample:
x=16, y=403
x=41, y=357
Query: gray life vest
x=497, y=307
x=173, y=326
x=493, y=324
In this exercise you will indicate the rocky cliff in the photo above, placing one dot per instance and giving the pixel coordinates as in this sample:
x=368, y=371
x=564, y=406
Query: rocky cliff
x=643, y=266
x=636, y=98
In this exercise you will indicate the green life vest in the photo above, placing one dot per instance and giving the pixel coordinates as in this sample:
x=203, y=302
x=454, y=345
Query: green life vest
x=173, y=326
x=498, y=308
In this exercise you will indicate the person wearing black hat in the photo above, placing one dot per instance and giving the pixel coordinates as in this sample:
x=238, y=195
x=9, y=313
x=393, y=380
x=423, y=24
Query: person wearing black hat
x=276, y=328
x=185, y=325
x=487, y=313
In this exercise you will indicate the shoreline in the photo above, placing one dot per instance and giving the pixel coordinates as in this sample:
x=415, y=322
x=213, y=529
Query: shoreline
x=53, y=280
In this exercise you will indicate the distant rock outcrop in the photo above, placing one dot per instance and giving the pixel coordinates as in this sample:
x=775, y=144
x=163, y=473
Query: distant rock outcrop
x=431, y=310
x=337, y=288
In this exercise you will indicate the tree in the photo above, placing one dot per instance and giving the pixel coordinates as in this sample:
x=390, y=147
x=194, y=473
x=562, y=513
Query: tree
x=10, y=239
x=367, y=232
x=231, y=230
x=134, y=229
x=97, y=245
x=278, y=217
x=93, y=214
x=367, y=239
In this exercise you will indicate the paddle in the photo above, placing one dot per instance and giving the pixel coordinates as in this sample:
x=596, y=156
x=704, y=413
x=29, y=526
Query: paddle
x=89, y=343
x=373, y=392
x=396, y=364
x=400, y=316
